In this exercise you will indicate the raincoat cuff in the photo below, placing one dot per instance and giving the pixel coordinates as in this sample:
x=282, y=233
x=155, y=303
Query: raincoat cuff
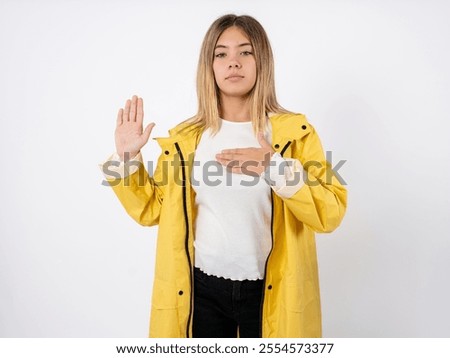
x=284, y=175
x=114, y=168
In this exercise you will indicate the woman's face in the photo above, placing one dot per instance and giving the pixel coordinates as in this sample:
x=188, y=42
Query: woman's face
x=234, y=64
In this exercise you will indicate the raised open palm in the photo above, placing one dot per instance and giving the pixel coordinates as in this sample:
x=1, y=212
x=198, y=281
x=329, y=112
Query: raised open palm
x=129, y=136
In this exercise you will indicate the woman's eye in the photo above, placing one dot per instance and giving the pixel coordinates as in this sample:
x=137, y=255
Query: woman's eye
x=220, y=55
x=246, y=53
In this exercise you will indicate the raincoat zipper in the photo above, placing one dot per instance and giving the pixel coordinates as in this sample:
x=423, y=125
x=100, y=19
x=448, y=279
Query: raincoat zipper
x=265, y=270
x=285, y=147
x=268, y=256
x=183, y=180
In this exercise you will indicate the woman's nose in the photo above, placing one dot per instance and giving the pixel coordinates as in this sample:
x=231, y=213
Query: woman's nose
x=234, y=64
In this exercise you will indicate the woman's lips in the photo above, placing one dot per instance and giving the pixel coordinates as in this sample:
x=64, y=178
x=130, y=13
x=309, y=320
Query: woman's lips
x=235, y=78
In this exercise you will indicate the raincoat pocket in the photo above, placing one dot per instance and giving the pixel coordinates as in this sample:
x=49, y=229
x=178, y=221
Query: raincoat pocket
x=164, y=311
x=164, y=295
x=296, y=299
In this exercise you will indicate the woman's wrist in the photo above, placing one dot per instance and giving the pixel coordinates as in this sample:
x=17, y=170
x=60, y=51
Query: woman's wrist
x=126, y=156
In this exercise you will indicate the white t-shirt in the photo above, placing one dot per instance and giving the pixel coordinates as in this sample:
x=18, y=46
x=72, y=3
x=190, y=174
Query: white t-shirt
x=233, y=225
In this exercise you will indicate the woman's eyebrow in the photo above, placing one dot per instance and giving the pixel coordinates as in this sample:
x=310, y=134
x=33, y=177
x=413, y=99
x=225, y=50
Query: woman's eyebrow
x=240, y=45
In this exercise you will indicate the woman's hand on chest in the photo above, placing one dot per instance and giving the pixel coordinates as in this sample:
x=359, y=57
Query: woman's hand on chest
x=250, y=161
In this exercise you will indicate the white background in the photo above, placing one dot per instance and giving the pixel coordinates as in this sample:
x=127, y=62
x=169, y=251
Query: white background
x=372, y=77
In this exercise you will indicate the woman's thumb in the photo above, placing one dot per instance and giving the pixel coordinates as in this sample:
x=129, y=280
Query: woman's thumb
x=147, y=131
x=262, y=141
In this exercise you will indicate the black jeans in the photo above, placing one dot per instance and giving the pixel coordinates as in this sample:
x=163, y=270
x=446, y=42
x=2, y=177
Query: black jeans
x=222, y=306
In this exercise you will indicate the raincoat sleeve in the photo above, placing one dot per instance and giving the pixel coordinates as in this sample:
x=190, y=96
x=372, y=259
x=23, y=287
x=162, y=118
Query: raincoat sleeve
x=140, y=194
x=316, y=197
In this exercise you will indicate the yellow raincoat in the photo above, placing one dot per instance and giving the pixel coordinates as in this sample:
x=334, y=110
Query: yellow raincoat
x=291, y=300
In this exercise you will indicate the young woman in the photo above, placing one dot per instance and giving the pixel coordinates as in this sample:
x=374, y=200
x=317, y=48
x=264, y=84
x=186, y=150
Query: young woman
x=238, y=192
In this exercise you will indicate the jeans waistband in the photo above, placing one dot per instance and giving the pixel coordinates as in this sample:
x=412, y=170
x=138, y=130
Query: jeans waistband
x=226, y=281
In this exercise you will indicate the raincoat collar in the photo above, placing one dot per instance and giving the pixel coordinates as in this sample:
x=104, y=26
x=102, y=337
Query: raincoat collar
x=284, y=126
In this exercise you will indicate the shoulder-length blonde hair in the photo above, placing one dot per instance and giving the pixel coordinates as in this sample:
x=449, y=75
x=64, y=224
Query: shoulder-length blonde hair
x=262, y=97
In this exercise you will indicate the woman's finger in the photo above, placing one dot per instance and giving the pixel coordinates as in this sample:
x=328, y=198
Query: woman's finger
x=140, y=111
x=226, y=157
x=235, y=151
x=133, y=109
x=119, y=117
x=126, y=112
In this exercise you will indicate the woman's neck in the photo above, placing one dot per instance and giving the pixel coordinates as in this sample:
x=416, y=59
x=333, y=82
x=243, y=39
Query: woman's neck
x=235, y=109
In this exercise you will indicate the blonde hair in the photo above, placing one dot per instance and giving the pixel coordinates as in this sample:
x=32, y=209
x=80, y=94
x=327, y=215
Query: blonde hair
x=262, y=97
